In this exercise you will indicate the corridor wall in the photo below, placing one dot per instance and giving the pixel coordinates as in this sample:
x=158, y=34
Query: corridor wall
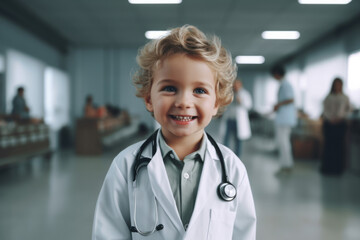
x=14, y=37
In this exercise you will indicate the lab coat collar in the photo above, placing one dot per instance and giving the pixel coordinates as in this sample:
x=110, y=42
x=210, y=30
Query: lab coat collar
x=197, y=155
x=209, y=148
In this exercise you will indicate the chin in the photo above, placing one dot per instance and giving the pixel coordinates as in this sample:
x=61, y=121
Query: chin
x=182, y=133
x=188, y=132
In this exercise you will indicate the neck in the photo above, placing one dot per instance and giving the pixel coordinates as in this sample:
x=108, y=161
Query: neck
x=183, y=146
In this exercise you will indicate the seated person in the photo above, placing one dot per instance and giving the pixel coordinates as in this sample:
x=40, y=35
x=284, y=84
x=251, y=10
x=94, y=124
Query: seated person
x=91, y=111
x=112, y=110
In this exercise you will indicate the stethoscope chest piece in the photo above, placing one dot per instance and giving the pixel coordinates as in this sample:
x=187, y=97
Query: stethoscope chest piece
x=227, y=191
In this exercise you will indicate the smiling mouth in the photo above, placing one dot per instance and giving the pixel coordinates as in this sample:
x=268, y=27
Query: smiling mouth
x=182, y=118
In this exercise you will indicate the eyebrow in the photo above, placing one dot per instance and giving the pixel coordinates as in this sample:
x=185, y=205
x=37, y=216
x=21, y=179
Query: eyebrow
x=205, y=84
x=164, y=81
x=197, y=83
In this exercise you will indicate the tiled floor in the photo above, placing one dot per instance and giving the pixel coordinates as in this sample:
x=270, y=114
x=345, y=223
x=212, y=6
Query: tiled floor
x=55, y=199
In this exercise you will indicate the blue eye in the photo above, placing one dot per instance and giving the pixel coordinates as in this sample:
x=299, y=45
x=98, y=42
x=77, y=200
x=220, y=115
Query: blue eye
x=169, y=89
x=200, y=91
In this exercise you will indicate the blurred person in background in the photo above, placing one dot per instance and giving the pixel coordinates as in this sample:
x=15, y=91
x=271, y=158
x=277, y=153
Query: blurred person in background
x=285, y=119
x=336, y=108
x=235, y=121
x=92, y=111
x=20, y=109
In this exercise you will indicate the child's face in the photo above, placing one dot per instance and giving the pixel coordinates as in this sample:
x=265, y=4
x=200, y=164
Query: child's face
x=183, y=96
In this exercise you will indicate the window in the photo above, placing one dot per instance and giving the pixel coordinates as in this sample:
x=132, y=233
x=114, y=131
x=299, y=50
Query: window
x=28, y=72
x=354, y=78
x=2, y=64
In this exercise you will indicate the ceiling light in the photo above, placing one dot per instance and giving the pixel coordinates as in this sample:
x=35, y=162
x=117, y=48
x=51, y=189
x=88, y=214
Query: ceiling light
x=324, y=1
x=280, y=35
x=156, y=34
x=250, y=59
x=155, y=1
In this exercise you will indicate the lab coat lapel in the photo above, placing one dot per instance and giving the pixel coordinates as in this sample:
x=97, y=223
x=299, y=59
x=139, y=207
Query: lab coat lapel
x=162, y=190
x=209, y=181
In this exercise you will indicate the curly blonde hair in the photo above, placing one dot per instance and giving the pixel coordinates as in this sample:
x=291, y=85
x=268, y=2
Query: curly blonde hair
x=191, y=41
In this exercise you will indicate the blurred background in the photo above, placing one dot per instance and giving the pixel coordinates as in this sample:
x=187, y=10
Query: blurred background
x=68, y=65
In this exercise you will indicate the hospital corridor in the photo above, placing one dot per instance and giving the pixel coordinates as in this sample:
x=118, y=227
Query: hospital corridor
x=55, y=198
x=180, y=119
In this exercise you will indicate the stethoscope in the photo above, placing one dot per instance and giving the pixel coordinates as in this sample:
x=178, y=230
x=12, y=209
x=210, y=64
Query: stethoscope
x=226, y=190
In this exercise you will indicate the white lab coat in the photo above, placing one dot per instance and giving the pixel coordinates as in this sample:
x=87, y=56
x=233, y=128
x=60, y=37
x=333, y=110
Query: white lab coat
x=242, y=117
x=212, y=217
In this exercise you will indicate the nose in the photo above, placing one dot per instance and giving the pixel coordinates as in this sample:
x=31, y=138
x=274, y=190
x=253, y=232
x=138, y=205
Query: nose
x=183, y=100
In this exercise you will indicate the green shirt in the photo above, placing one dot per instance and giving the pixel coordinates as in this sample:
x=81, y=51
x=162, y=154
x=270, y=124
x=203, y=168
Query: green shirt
x=184, y=177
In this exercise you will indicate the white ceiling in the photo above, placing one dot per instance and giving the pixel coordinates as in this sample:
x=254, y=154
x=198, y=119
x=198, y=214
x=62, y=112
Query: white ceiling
x=239, y=23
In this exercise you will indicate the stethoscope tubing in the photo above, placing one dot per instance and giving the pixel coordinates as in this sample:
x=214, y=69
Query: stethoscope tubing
x=144, y=233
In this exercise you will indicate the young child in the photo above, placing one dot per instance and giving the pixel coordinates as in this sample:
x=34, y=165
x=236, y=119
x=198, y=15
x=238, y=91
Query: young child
x=179, y=184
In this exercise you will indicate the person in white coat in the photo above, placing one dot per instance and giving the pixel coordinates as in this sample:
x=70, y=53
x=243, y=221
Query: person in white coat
x=286, y=119
x=235, y=121
x=179, y=183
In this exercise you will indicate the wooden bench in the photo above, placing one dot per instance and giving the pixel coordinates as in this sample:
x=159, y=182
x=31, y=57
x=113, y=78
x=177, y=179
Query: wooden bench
x=22, y=141
x=93, y=135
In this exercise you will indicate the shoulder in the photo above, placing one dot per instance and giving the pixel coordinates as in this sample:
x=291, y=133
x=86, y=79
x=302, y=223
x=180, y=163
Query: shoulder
x=123, y=162
x=232, y=161
x=286, y=84
x=225, y=150
x=346, y=97
x=128, y=152
x=328, y=97
x=235, y=168
x=245, y=92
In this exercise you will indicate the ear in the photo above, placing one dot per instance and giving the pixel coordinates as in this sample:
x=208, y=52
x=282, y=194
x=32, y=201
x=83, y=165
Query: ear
x=148, y=103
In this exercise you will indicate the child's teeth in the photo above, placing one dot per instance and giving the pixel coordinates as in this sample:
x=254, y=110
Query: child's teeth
x=181, y=118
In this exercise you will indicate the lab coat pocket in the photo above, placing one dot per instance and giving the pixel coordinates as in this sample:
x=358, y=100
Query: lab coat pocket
x=221, y=224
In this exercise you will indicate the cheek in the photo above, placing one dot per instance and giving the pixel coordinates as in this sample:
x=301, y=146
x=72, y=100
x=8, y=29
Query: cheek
x=209, y=108
x=161, y=105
